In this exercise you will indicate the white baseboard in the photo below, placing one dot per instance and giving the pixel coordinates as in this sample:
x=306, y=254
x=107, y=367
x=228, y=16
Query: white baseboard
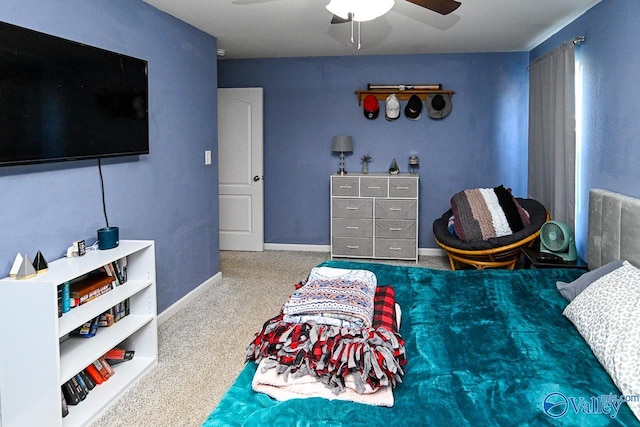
x=294, y=247
x=327, y=248
x=186, y=300
x=431, y=252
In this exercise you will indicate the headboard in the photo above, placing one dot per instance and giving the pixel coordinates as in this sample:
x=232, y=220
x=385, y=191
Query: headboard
x=614, y=228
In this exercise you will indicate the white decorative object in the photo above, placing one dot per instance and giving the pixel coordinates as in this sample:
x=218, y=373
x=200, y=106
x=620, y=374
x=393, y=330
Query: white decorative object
x=26, y=270
x=17, y=262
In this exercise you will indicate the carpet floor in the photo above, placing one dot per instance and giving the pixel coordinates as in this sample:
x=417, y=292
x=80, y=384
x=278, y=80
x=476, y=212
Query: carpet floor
x=201, y=349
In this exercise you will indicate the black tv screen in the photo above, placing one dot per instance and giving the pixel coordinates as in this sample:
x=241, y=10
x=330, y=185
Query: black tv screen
x=63, y=100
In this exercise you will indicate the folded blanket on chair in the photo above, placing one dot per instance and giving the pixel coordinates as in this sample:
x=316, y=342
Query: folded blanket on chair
x=485, y=213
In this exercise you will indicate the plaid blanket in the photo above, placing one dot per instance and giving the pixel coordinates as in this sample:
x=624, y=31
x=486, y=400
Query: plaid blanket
x=374, y=356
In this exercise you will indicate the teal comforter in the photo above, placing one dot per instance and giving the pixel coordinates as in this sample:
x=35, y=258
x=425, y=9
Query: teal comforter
x=484, y=348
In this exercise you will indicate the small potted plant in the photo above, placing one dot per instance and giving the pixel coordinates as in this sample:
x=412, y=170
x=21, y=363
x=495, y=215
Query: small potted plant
x=366, y=158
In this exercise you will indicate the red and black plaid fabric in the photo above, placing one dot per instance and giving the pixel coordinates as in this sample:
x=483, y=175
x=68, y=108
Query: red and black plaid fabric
x=384, y=309
x=336, y=352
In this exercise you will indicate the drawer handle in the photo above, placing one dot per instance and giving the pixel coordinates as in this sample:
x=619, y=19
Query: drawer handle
x=402, y=188
x=395, y=229
x=352, y=228
x=395, y=209
x=353, y=247
x=349, y=208
x=395, y=249
x=374, y=188
x=345, y=186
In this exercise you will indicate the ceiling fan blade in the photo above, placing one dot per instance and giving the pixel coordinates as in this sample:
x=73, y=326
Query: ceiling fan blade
x=443, y=7
x=340, y=20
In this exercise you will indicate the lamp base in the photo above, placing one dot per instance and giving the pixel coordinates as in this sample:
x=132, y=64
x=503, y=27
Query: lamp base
x=341, y=172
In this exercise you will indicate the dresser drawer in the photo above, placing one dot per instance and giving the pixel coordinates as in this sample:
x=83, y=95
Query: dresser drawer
x=396, y=209
x=396, y=248
x=403, y=187
x=396, y=228
x=352, y=208
x=347, y=246
x=373, y=187
x=345, y=227
x=344, y=186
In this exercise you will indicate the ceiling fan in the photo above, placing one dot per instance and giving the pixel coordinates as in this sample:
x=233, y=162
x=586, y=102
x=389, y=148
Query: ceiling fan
x=366, y=10
x=371, y=10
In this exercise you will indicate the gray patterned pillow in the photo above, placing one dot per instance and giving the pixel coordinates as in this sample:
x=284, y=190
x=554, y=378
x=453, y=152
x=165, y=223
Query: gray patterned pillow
x=572, y=289
x=607, y=315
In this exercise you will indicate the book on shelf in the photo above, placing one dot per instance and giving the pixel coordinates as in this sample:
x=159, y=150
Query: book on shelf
x=106, y=319
x=79, y=391
x=102, y=370
x=118, y=355
x=70, y=394
x=65, y=408
x=81, y=383
x=87, y=380
x=117, y=269
x=95, y=375
x=86, y=330
x=90, y=287
x=107, y=366
x=114, y=314
x=59, y=301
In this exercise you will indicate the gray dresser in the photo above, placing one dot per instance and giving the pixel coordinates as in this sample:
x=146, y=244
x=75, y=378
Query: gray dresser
x=374, y=216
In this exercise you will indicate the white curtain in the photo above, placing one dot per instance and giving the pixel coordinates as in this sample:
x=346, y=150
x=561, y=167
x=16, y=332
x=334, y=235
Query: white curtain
x=552, y=137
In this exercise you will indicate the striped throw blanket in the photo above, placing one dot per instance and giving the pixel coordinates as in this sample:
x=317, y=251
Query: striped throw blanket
x=485, y=213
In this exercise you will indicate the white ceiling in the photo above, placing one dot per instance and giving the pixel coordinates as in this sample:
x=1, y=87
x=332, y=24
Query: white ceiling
x=298, y=28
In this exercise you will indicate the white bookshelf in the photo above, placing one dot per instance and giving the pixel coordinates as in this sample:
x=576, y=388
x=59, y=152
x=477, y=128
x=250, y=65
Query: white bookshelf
x=37, y=355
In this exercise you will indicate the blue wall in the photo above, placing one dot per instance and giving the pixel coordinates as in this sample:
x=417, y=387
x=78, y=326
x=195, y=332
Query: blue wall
x=611, y=128
x=307, y=101
x=169, y=196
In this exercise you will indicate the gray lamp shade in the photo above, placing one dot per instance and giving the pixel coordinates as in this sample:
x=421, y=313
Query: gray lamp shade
x=342, y=144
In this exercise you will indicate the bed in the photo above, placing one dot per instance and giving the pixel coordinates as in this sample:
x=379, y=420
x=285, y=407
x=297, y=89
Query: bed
x=488, y=347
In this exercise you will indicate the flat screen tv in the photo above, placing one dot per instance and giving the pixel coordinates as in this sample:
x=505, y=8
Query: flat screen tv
x=63, y=100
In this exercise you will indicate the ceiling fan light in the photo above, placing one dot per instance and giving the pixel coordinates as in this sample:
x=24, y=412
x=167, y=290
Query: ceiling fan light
x=362, y=10
x=339, y=8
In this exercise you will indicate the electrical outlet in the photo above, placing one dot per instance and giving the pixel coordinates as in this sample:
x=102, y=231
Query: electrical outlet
x=207, y=157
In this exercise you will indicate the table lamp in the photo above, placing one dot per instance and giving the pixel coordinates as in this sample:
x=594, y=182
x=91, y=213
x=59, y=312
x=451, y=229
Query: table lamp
x=342, y=144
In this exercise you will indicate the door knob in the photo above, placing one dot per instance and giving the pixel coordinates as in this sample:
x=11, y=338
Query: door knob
x=256, y=178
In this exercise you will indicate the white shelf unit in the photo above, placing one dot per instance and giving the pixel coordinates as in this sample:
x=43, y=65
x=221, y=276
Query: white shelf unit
x=38, y=356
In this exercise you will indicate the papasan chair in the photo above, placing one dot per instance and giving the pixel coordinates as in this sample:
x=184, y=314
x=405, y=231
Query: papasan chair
x=468, y=217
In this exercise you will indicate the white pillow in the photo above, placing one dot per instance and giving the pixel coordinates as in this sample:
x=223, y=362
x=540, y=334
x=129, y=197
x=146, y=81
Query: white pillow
x=607, y=315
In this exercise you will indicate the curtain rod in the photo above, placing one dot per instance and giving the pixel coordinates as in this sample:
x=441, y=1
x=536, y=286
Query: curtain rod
x=576, y=42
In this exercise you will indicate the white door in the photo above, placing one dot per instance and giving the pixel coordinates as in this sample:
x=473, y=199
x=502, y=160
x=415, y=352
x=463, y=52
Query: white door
x=240, y=167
